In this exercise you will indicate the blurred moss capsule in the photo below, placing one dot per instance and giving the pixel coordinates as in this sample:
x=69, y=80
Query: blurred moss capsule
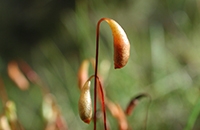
x=83, y=73
x=4, y=124
x=17, y=76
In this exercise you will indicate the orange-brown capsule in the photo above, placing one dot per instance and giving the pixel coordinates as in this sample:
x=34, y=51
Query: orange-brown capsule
x=121, y=44
x=17, y=76
x=83, y=73
x=85, y=103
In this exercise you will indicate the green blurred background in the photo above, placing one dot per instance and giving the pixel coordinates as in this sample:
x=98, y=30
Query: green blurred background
x=55, y=36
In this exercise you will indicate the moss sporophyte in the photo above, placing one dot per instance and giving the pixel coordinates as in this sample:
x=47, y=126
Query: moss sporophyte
x=121, y=56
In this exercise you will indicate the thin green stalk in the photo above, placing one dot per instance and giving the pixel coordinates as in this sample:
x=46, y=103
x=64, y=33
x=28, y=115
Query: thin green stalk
x=193, y=116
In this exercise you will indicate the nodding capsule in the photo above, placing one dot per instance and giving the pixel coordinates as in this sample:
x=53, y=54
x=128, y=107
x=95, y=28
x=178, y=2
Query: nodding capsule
x=85, y=103
x=121, y=44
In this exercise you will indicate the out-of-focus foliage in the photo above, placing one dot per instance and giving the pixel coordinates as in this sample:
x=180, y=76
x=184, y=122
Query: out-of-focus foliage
x=54, y=37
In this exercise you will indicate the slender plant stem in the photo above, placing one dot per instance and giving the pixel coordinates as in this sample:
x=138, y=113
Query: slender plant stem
x=103, y=104
x=96, y=69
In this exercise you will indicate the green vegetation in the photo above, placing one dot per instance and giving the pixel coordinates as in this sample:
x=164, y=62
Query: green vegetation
x=54, y=40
